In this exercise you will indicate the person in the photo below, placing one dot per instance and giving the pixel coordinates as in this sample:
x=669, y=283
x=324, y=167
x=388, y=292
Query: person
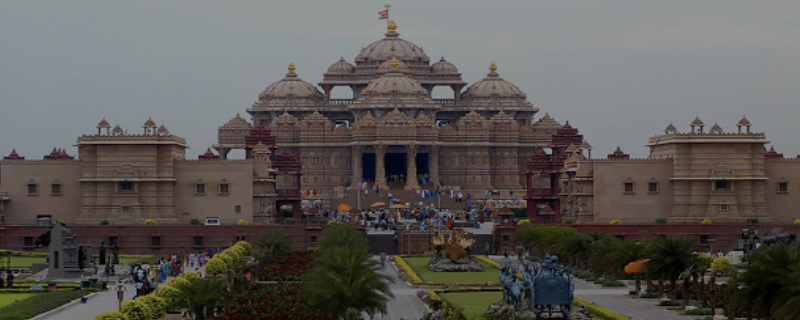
x=2, y=276
x=120, y=288
x=139, y=287
x=486, y=249
x=10, y=279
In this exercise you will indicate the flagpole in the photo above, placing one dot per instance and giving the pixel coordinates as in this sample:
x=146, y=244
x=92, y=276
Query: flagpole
x=388, y=19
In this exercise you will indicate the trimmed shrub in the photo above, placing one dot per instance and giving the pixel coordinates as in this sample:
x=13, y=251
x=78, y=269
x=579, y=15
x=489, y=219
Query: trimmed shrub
x=104, y=223
x=195, y=222
x=137, y=310
x=248, y=249
x=216, y=266
x=669, y=303
x=242, y=223
x=613, y=283
x=615, y=221
x=661, y=221
x=158, y=305
x=189, y=275
x=649, y=296
x=706, y=221
x=111, y=315
x=698, y=312
x=179, y=281
x=150, y=222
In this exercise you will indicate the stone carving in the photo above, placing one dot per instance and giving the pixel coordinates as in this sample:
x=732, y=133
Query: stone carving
x=456, y=250
x=67, y=258
x=547, y=291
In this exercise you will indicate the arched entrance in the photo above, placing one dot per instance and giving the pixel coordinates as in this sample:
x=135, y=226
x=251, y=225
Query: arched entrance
x=395, y=164
x=368, y=166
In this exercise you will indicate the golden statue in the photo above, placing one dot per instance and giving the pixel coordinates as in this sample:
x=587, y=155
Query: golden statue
x=458, y=244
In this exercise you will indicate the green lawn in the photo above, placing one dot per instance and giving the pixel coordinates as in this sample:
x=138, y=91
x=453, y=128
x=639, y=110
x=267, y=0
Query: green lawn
x=420, y=266
x=25, y=262
x=9, y=298
x=474, y=303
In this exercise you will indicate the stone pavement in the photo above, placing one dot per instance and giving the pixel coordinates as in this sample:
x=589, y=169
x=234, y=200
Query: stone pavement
x=405, y=304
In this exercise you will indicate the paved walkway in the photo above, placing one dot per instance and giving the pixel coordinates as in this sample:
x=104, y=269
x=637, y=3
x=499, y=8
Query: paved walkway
x=99, y=302
x=618, y=300
x=405, y=305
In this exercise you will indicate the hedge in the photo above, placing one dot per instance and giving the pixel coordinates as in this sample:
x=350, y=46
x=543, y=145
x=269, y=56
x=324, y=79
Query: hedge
x=600, y=311
x=488, y=261
x=38, y=304
x=402, y=263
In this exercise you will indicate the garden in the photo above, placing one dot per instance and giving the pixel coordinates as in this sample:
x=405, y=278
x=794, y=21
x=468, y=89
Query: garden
x=419, y=265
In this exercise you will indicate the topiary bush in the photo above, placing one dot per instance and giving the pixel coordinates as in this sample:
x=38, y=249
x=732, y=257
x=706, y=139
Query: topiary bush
x=111, y=315
x=137, y=310
x=242, y=223
x=661, y=221
x=158, y=305
x=669, y=303
x=216, y=266
x=698, y=312
x=248, y=249
x=195, y=222
x=613, y=283
x=150, y=222
x=104, y=223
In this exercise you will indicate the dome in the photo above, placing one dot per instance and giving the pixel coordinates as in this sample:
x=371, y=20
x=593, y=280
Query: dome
x=443, y=67
x=493, y=86
x=341, y=66
x=290, y=86
x=394, y=82
x=391, y=46
x=393, y=65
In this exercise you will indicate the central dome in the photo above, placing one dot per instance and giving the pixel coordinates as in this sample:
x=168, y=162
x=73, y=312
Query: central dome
x=290, y=90
x=392, y=46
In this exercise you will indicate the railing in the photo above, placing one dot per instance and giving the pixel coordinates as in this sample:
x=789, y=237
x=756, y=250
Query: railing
x=338, y=102
x=445, y=101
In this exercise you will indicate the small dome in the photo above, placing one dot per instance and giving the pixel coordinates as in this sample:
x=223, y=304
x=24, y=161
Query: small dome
x=393, y=65
x=443, y=67
x=150, y=123
x=341, y=66
x=103, y=124
x=394, y=82
x=493, y=86
x=237, y=123
x=391, y=46
x=292, y=86
x=743, y=122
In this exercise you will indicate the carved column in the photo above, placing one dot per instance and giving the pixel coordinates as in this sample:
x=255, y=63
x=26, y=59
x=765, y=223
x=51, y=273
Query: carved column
x=380, y=167
x=433, y=165
x=358, y=172
x=411, y=167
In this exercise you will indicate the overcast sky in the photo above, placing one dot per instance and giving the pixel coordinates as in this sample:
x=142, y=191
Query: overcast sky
x=620, y=71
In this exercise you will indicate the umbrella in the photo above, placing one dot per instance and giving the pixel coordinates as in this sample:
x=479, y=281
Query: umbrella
x=636, y=266
x=378, y=204
x=344, y=208
x=398, y=206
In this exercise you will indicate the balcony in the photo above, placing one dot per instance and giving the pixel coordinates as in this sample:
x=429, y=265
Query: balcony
x=340, y=102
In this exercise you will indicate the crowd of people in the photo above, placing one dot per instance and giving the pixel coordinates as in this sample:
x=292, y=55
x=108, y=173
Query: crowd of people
x=146, y=277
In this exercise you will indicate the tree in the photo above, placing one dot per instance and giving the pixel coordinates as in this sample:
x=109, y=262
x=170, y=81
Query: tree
x=629, y=252
x=770, y=282
x=198, y=293
x=136, y=310
x=669, y=258
x=272, y=243
x=702, y=262
x=720, y=266
x=216, y=266
x=344, y=281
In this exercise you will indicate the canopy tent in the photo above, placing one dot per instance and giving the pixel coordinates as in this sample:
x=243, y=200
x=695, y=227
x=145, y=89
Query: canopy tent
x=378, y=204
x=344, y=208
x=398, y=206
x=636, y=266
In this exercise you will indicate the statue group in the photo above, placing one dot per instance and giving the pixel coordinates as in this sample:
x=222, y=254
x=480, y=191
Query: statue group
x=453, y=252
x=544, y=291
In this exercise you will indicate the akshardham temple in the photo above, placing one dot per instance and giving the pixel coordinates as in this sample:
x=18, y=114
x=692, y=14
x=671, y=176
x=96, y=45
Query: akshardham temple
x=392, y=132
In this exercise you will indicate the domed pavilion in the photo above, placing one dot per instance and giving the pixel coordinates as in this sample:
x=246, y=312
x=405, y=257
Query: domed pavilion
x=392, y=131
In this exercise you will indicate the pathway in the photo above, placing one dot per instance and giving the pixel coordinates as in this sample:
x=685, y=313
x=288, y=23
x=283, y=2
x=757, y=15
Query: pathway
x=405, y=304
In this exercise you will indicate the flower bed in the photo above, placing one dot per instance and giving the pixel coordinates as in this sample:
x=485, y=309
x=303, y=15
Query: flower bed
x=268, y=301
x=38, y=304
x=289, y=267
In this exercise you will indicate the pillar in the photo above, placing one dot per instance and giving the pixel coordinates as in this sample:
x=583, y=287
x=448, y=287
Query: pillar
x=411, y=167
x=380, y=167
x=433, y=165
x=327, y=90
x=358, y=172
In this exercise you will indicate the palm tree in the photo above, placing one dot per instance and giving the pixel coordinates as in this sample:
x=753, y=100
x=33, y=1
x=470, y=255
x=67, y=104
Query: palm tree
x=669, y=258
x=272, y=243
x=198, y=294
x=629, y=252
x=603, y=251
x=344, y=281
x=702, y=262
x=770, y=282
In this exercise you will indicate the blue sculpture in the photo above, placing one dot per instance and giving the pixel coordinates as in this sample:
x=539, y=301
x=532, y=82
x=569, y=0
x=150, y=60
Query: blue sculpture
x=547, y=288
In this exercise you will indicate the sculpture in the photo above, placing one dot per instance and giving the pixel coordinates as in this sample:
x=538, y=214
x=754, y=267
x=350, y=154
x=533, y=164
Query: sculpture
x=450, y=253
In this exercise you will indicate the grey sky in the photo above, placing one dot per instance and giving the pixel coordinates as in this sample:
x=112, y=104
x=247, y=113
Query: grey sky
x=620, y=71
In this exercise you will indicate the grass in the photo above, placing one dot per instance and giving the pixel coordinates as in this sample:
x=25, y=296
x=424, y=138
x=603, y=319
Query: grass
x=9, y=298
x=25, y=262
x=474, y=303
x=38, y=304
x=420, y=266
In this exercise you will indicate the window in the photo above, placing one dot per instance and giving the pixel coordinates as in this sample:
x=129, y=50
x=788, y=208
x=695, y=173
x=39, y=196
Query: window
x=200, y=189
x=721, y=185
x=32, y=189
x=55, y=189
x=783, y=187
x=237, y=208
x=212, y=221
x=724, y=207
x=126, y=208
x=28, y=241
x=313, y=239
x=155, y=241
x=241, y=238
x=44, y=220
x=126, y=186
x=629, y=188
x=224, y=188
x=652, y=188
x=704, y=238
x=198, y=241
